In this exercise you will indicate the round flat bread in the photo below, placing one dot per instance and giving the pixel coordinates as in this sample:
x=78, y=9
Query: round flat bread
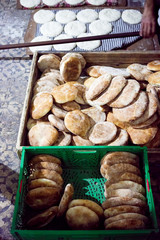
x=131, y=16
x=43, y=197
x=43, y=219
x=65, y=200
x=51, y=29
x=44, y=158
x=96, y=2
x=102, y=132
x=87, y=15
x=127, y=184
x=121, y=168
x=117, y=201
x=121, y=138
x=58, y=112
x=40, y=48
x=148, y=122
x=74, y=2
x=89, y=204
x=88, y=45
x=109, y=15
x=149, y=112
x=41, y=182
x=71, y=106
x=142, y=136
x=46, y=173
x=41, y=105
x=56, y=122
x=64, y=139
x=46, y=61
x=65, y=16
x=119, y=157
x=155, y=142
x=100, y=27
x=132, y=111
x=43, y=16
x=154, y=65
x=64, y=46
x=114, y=89
x=123, y=177
x=64, y=93
x=79, y=141
x=139, y=71
x=47, y=165
x=98, y=86
x=77, y=55
x=125, y=193
x=113, y=211
x=77, y=122
x=51, y=3
x=126, y=216
x=95, y=114
x=30, y=3
x=42, y=135
x=75, y=28
x=127, y=95
x=96, y=71
x=154, y=78
x=82, y=218
x=70, y=69
x=125, y=224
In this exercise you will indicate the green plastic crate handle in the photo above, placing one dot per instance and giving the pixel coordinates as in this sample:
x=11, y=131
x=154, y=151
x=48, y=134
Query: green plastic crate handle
x=84, y=151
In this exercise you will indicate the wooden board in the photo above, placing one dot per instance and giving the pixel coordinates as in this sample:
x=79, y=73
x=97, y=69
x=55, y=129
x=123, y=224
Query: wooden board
x=121, y=3
x=114, y=59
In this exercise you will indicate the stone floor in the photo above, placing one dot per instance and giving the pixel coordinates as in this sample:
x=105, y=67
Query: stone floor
x=14, y=73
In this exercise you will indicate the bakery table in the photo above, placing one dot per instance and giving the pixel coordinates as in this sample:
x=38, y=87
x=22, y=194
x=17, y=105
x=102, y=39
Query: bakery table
x=14, y=72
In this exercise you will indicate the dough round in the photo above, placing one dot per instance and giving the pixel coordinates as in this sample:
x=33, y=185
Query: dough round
x=74, y=2
x=109, y=15
x=43, y=16
x=131, y=16
x=65, y=16
x=30, y=3
x=88, y=45
x=64, y=46
x=51, y=2
x=96, y=2
x=121, y=139
x=87, y=15
x=100, y=27
x=75, y=28
x=51, y=29
x=41, y=48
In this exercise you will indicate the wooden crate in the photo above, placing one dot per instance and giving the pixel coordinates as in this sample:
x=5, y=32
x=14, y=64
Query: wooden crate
x=119, y=59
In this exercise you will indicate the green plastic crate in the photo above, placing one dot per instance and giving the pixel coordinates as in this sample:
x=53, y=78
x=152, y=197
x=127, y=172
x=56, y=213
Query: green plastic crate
x=81, y=167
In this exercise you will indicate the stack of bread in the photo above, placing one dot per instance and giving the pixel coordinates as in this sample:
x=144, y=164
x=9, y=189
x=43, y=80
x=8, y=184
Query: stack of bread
x=110, y=107
x=45, y=190
x=84, y=214
x=125, y=204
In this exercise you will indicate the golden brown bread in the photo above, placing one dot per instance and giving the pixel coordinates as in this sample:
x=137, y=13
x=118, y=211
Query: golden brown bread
x=43, y=197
